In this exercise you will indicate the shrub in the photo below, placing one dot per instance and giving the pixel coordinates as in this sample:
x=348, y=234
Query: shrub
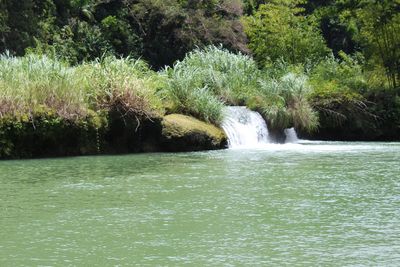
x=345, y=73
x=284, y=102
x=339, y=86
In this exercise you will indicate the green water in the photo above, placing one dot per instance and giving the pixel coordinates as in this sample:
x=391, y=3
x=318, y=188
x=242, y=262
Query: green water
x=317, y=204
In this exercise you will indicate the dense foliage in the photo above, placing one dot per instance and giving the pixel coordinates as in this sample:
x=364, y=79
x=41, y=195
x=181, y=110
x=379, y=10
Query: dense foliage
x=332, y=67
x=31, y=83
x=158, y=31
x=278, y=30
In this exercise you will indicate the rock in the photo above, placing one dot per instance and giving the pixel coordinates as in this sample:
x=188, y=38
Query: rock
x=276, y=135
x=184, y=133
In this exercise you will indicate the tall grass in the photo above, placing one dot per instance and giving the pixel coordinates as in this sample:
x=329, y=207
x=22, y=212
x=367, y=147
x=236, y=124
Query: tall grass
x=229, y=76
x=188, y=95
x=207, y=79
x=126, y=85
x=199, y=85
x=32, y=83
x=284, y=102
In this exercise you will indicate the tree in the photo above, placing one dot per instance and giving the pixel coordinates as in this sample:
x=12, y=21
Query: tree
x=171, y=28
x=3, y=24
x=380, y=32
x=279, y=30
x=217, y=22
x=339, y=33
x=18, y=34
x=250, y=6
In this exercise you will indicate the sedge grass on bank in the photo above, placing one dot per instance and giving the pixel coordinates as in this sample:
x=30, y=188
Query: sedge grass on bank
x=127, y=85
x=207, y=79
x=200, y=85
x=32, y=83
x=285, y=103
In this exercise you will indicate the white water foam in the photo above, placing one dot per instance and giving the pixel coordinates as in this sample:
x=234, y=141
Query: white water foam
x=244, y=128
x=291, y=136
x=247, y=129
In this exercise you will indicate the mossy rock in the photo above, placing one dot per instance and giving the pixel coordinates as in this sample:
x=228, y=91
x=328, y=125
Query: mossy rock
x=184, y=133
x=44, y=134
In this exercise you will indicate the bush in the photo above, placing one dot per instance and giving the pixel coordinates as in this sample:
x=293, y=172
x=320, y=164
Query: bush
x=345, y=73
x=284, y=102
x=339, y=86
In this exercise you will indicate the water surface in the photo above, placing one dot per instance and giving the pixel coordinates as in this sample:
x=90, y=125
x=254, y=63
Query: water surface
x=312, y=204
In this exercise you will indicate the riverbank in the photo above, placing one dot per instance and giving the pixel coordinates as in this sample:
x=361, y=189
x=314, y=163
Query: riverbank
x=110, y=106
x=46, y=135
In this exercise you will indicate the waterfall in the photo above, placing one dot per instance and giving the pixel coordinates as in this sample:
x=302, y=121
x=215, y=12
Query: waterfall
x=247, y=129
x=291, y=136
x=244, y=128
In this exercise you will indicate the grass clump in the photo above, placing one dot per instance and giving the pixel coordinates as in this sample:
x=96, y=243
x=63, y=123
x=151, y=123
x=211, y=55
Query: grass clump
x=205, y=80
x=49, y=108
x=187, y=94
x=229, y=76
x=124, y=85
x=33, y=82
x=284, y=102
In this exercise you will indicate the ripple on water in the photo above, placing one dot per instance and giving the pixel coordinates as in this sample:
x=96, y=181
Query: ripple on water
x=307, y=204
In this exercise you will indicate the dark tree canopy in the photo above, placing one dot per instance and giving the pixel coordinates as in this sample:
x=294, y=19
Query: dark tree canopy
x=162, y=32
x=158, y=31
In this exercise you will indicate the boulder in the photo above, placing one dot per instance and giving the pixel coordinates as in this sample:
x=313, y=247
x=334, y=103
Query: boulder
x=184, y=133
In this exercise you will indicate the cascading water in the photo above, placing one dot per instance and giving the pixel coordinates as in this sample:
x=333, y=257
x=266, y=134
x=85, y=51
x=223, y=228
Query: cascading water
x=291, y=136
x=244, y=128
x=247, y=129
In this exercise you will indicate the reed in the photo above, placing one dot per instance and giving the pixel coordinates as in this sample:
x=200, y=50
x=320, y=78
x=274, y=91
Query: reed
x=125, y=84
x=199, y=85
x=208, y=78
x=33, y=83
x=284, y=102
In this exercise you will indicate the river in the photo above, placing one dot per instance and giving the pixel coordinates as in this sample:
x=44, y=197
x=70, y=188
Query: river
x=311, y=204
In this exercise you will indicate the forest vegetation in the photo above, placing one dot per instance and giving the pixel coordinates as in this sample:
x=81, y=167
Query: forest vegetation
x=331, y=69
